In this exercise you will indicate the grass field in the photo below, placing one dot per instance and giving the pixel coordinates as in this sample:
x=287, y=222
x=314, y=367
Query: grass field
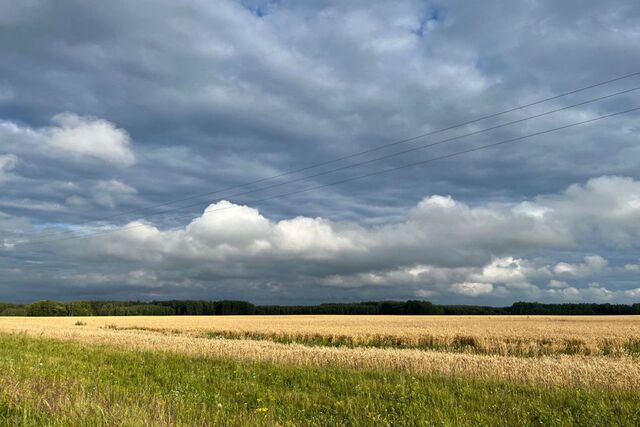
x=320, y=370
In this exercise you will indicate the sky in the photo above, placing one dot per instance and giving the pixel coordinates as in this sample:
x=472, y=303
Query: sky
x=132, y=135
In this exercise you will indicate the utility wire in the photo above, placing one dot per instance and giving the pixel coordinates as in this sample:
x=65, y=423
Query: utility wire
x=367, y=175
x=377, y=148
x=392, y=155
x=399, y=153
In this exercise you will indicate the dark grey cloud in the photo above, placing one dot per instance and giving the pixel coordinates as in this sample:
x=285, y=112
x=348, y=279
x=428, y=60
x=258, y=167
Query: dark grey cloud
x=110, y=108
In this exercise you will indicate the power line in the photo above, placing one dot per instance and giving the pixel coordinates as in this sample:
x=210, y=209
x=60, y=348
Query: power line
x=385, y=171
x=396, y=154
x=378, y=148
x=409, y=150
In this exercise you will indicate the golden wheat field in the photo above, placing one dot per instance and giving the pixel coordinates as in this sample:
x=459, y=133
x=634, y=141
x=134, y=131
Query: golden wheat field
x=542, y=350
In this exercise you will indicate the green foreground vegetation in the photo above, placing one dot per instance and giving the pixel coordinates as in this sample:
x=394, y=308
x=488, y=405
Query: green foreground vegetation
x=53, y=383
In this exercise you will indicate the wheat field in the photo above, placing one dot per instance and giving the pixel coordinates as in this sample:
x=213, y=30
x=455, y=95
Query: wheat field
x=554, y=350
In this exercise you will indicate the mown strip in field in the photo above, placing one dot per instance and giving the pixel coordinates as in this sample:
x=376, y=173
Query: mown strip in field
x=56, y=383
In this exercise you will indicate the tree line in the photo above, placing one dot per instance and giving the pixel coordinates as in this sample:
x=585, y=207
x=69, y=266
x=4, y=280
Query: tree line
x=229, y=307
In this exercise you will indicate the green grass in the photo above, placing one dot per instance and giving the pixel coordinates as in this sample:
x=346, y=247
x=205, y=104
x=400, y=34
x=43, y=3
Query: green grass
x=51, y=383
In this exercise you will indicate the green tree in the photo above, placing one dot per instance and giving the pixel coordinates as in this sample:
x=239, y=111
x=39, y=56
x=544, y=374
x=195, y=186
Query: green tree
x=14, y=311
x=78, y=308
x=46, y=308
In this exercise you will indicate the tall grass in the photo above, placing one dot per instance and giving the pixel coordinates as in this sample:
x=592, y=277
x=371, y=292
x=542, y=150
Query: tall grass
x=504, y=346
x=506, y=336
x=576, y=351
x=48, y=382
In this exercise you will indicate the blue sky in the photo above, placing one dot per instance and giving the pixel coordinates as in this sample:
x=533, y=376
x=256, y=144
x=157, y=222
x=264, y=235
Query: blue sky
x=109, y=109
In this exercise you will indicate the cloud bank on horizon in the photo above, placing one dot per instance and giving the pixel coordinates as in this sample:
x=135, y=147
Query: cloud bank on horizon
x=106, y=110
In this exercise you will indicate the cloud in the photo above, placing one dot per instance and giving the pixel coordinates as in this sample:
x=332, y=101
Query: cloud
x=441, y=247
x=32, y=205
x=72, y=136
x=632, y=267
x=570, y=294
x=107, y=193
x=472, y=289
x=633, y=293
x=593, y=264
x=512, y=271
x=558, y=284
x=90, y=137
x=7, y=163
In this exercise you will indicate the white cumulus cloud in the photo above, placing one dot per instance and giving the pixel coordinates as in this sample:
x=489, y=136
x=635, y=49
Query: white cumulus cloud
x=72, y=136
x=442, y=246
x=472, y=288
x=87, y=136
x=592, y=264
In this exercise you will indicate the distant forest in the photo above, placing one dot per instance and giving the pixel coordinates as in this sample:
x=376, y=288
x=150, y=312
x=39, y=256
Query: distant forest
x=219, y=308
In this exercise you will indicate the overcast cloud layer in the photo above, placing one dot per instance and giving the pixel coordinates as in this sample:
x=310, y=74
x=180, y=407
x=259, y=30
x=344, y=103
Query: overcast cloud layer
x=109, y=108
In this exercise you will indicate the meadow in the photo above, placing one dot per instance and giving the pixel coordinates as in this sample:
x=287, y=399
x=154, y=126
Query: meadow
x=320, y=370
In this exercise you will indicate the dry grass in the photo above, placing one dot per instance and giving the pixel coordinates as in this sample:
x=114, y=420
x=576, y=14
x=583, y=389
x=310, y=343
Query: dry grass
x=505, y=336
x=588, y=366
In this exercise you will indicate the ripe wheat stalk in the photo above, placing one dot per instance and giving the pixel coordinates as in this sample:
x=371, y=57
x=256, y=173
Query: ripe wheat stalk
x=491, y=347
